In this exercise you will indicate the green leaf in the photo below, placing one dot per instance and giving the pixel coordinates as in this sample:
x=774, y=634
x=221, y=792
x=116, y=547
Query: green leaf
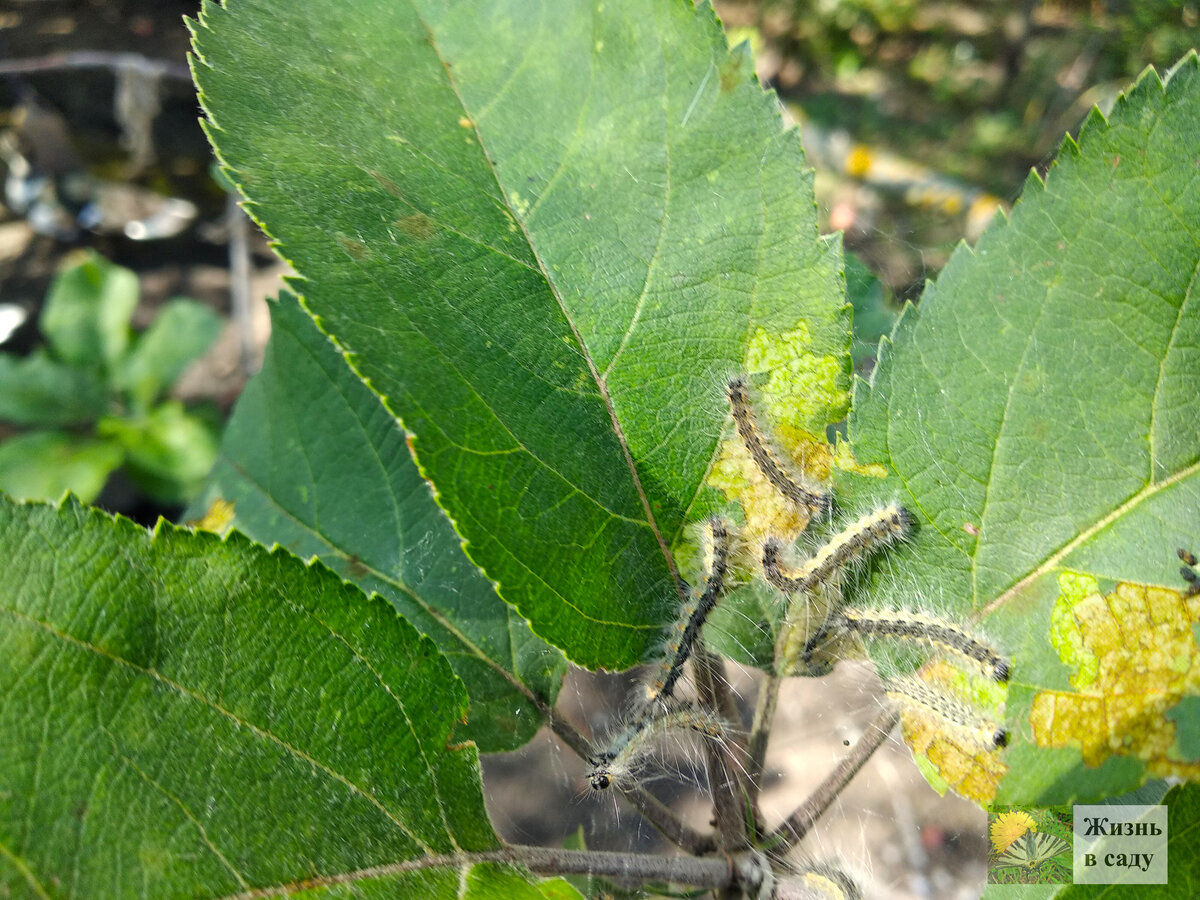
x=87, y=312
x=545, y=237
x=39, y=390
x=1040, y=411
x=44, y=465
x=312, y=461
x=168, y=452
x=181, y=331
x=874, y=318
x=190, y=716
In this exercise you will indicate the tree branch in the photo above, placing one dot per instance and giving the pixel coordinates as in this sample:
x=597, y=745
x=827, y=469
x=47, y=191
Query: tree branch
x=705, y=873
x=760, y=732
x=799, y=822
x=728, y=792
x=97, y=59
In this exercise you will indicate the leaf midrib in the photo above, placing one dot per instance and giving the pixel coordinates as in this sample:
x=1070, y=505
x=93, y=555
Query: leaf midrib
x=585, y=351
x=1051, y=562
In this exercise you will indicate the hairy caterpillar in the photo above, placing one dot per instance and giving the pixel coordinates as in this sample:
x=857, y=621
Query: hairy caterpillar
x=915, y=695
x=693, y=615
x=874, y=531
x=747, y=426
x=915, y=627
x=615, y=764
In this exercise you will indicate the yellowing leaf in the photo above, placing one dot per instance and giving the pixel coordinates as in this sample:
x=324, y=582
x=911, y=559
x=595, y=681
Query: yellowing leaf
x=960, y=758
x=1134, y=657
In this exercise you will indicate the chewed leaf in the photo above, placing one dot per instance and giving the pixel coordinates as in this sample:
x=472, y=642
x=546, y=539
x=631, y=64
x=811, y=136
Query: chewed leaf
x=1039, y=413
x=541, y=235
x=1134, y=657
x=964, y=756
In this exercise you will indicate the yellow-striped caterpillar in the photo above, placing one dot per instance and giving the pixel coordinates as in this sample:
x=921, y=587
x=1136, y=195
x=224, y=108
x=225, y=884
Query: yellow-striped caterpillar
x=907, y=626
x=693, y=615
x=877, y=529
x=747, y=426
x=916, y=696
x=615, y=764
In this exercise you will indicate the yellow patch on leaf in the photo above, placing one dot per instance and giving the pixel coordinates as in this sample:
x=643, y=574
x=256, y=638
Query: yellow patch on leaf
x=966, y=764
x=802, y=392
x=1134, y=657
x=767, y=512
x=219, y=517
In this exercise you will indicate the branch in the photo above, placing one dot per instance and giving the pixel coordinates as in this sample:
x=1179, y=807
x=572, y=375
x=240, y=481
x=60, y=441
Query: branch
x=799, y=822
x=705, y=873
x=728, y=792
x=760, y=732
x=97, y=59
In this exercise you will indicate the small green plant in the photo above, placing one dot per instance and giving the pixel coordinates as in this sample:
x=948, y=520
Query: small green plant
x=91, y=401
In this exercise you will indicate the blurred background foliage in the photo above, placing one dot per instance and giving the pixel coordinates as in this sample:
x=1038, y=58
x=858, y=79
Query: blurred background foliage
x=924, y=118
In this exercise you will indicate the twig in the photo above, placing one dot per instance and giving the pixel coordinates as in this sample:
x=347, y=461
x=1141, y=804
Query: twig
x=239, y=281
x=728, y=792
x=704, y=873
x=799, y=822
x=97, y=59
x=760, y=733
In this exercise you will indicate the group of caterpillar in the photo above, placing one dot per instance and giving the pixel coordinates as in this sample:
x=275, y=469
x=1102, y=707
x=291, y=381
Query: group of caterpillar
x=871, y=533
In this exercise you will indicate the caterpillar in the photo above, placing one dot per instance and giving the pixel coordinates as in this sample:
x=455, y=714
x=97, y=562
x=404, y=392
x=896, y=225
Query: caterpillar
x=615, y=764
x=913, y=694
x=1188, y=572
x=909, y=626
x=747, y=426
x=693, y=615
x=873, y=531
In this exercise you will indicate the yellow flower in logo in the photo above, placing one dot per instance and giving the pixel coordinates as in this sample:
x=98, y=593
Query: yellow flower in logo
x=1009, y=827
